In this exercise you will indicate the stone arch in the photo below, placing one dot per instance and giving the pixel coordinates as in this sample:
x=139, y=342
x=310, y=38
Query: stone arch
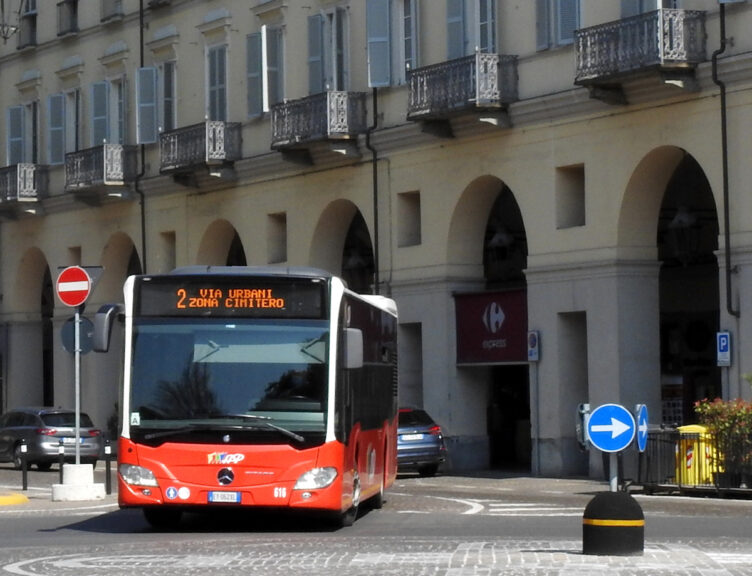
x=30, y=278
x=119, y=260
x=328, y=242
x=641, y=205
x=468, y=224
x=219, y=242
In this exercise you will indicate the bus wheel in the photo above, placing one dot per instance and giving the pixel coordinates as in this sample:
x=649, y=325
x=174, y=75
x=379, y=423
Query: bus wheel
x=349, y=516
x=163, y=517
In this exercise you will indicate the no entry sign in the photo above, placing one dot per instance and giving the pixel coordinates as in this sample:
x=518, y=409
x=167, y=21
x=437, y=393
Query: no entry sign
x=73, y=286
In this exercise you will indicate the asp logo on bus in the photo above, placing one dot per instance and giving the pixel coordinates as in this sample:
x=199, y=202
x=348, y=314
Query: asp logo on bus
x=224, y=458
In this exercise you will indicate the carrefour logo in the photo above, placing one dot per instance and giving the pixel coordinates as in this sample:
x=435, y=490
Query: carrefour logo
x=493, y=317
x=224, y=458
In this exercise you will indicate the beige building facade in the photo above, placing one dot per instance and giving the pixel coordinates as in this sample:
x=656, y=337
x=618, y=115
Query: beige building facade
x=572, y=175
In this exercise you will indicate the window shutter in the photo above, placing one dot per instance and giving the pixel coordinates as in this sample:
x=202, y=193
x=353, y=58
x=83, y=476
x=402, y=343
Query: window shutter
x=56, y=129
x=217, y=83
x=568, y=20
x=630, y=8
x=379, y=43
x=455, y=29
x=254, y=70
x=542, y=25
x=146, y=107
x=15, y=135
x=274, y=65
x=315, y=52
x=410, y=35
x=99, y=105
x=168, y=96
x=487, y=24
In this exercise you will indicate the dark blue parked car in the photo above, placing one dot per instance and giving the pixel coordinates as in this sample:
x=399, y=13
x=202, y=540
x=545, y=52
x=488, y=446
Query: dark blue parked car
x=420, y=443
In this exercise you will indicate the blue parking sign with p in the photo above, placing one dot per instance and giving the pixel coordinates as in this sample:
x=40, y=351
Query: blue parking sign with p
x=723, y=349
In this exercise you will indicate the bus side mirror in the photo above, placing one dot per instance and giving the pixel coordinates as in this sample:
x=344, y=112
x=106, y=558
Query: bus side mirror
x=103, y=321
x=353, y=348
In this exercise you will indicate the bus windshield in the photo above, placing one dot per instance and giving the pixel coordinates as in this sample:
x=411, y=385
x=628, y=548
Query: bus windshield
x=228, y=374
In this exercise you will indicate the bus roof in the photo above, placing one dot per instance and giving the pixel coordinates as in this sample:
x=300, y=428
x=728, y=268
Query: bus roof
x=300, y=271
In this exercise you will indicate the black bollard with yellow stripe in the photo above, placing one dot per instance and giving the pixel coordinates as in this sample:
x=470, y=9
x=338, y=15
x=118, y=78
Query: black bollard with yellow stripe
x=613, y=525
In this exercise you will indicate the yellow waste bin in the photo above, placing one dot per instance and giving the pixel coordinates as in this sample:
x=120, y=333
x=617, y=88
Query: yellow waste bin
x=695, y=456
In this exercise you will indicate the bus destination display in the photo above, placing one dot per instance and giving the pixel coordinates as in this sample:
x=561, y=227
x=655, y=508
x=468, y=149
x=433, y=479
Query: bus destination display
x=230, y=296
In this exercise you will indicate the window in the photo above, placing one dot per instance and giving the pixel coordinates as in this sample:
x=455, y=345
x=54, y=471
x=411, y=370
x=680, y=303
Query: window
x=27, y=25
x=634, y=7
x=570, y=196
x=108, y=108
x=327, y=51
x=556, y=21
x=155, y=90
x=23, y=124
x=408, y=219
x=217, y=83
x=392, y=40
x=471, y=26
x=265, y=80
x=67, y=17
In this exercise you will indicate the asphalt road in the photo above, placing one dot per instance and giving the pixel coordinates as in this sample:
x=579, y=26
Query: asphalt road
x=453, y=525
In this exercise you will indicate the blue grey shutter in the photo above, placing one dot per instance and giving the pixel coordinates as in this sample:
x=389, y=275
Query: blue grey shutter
x=15, y=135
x=168, y=96
x=56, y=129
x=217, y=83
x=455, y=29
x=254, y=72
x=274, y=63
x=146, y=106
x=315, y=54
x=568, y=20
x=99, y=113
x=542, y=25
x=379, y=43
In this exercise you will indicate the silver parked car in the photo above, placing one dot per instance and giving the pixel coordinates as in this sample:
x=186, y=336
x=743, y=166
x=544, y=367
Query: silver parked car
x=44, y=429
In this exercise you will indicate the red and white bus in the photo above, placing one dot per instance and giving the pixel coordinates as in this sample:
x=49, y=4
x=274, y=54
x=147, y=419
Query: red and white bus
x=254, y=387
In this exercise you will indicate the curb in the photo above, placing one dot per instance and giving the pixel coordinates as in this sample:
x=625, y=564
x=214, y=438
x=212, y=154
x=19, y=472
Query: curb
x=11, y=499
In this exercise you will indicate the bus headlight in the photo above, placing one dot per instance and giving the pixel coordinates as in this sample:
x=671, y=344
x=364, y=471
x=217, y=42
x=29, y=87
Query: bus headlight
x=137, y=475
x=316, y=478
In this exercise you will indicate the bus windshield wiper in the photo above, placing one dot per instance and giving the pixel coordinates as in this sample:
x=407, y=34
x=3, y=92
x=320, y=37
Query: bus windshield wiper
x=263, y=421
x=256, y=422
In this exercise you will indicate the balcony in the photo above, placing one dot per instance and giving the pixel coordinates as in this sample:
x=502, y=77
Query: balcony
x=22, y=187
x=667, y=41
x=101, y=172
x=333, y=119
x=211, y=146
x=471, y=85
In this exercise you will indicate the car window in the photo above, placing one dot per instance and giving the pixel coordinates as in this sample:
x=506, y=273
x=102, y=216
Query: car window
x=66, y=419
x=15, y=419
x=414, y=418
x=29, y=420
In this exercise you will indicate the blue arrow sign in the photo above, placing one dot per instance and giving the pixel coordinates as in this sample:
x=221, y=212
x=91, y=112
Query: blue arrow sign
x=611, y=428
x=642, y=427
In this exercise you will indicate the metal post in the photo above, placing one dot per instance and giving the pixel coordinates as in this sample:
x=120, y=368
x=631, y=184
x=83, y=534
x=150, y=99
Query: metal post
x=24, y=466
x=77, y=369
x=107, y=462
x=613, y=464
x=61, y=457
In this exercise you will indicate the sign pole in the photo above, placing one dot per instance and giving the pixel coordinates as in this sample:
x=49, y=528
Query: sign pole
x=77, y=380
x=613, y=464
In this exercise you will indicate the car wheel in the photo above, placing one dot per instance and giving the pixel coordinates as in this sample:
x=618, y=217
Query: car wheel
x=163, y=518
x=17, y=458
x=429, y=470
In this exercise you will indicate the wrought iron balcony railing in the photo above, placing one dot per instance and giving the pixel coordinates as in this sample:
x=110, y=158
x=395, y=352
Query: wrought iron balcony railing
x=663, y=39
x=106, y=165
x=476, y=82
x=23, y=183
x=329, y=115
x=209, y=143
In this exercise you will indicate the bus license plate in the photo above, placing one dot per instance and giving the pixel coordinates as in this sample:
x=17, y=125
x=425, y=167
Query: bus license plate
x=225, y=497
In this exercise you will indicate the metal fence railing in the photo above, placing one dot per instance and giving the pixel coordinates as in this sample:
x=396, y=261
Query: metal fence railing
x=691, y=458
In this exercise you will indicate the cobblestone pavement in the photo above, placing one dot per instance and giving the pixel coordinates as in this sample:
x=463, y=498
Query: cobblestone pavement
x=380, y=556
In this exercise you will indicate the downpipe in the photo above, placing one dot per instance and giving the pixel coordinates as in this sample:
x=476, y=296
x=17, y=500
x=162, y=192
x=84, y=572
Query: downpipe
x=724, y=159
x=375, y=185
